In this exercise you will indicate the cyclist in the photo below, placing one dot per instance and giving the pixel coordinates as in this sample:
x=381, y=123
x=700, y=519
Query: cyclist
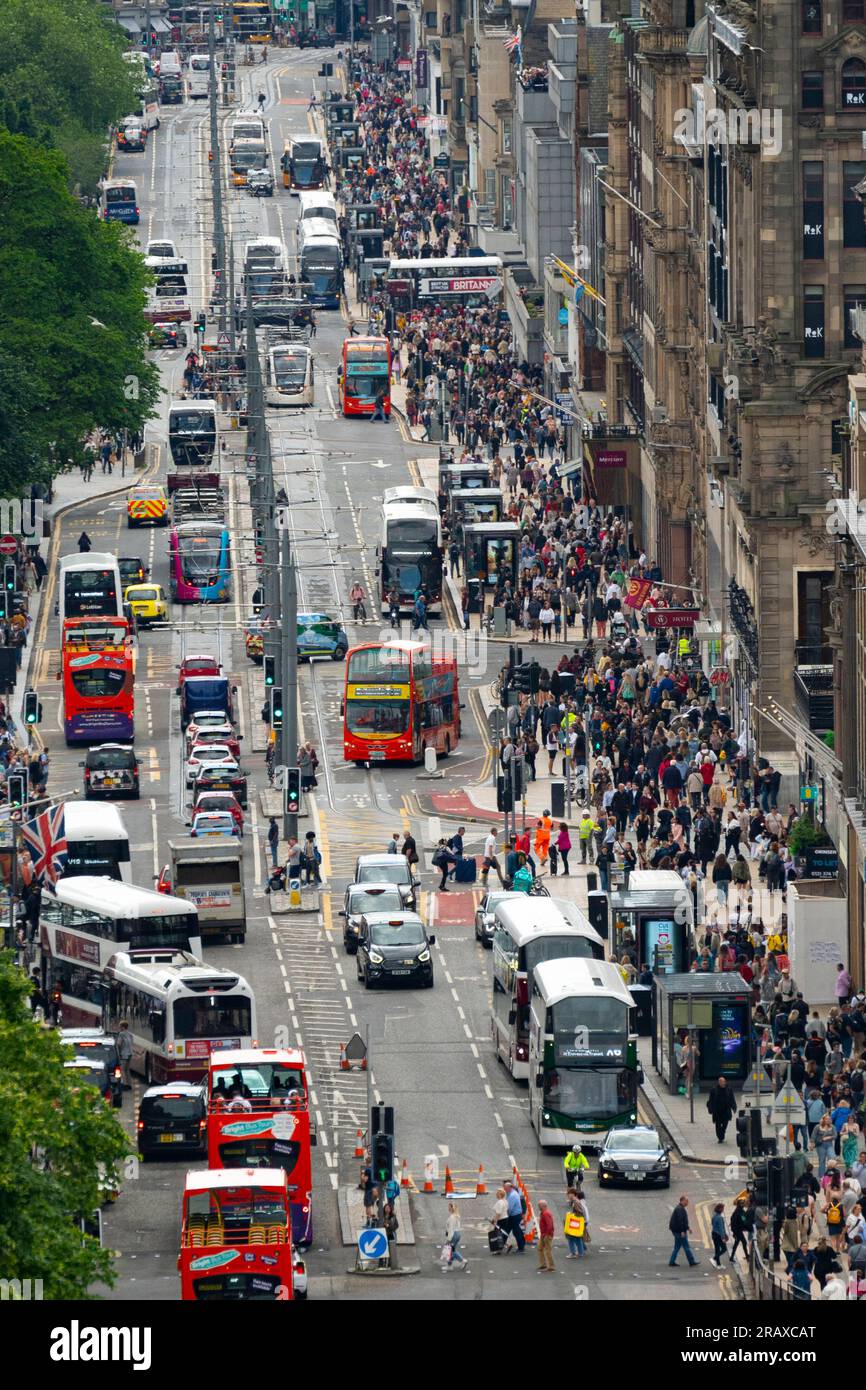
x=522, y=880
x=394, y=605
x=359, y=608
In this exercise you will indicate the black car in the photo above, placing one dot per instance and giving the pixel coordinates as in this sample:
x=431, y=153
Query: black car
x=132, y=570
x=166, y=335
x=394, y=947
x=173, y=1119
x=111, y=769
x=100, y=1049
x=634, y=1155
x=364, y=898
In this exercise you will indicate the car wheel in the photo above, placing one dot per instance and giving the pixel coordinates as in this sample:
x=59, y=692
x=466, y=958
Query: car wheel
x=428, y=984
x=339, y=654
x=136, y=795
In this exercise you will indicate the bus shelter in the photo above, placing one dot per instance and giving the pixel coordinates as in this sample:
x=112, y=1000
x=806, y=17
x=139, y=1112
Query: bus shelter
x=490, y=552
x=714, y=1010
x=366, y=241
x=462, y=475
x=471, y=504
x=652, y=920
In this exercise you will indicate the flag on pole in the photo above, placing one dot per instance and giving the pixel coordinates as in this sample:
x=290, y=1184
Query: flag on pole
x=638, y=592
x=45, y=837
x=513, y=43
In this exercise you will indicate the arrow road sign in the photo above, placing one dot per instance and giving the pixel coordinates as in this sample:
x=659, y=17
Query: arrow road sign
x=356, y=1049
x=372, y=1243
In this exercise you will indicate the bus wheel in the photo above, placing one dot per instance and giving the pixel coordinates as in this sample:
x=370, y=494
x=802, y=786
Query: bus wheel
x=447, y=751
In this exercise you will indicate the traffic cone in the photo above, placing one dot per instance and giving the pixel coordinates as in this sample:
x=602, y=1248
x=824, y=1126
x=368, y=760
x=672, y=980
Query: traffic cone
x=449, y=1186
x=359, y=1144
x=344, y=1061
x=529, y=1224
x=481, y=1186
x=428, y=1178
x=404, y=1179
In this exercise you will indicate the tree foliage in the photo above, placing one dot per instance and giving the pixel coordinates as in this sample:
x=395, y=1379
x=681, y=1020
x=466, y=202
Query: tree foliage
x=56, y=1138
x=63, y=80
x=72, y=332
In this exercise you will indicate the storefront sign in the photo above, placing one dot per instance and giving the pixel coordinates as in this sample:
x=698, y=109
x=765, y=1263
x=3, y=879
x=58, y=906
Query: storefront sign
x=822, y=861
x=609, y=458
x=671, y=617
x=421, y=78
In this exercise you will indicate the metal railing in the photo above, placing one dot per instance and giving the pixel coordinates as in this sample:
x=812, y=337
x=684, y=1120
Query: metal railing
x=771, y=1286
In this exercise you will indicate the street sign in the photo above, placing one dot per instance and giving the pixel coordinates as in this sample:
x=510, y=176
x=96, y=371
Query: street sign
x=564, y=407
x=788, y=1106
x=8, y=545
x=356, y=1049
x=372, y=1243
x=223, y=340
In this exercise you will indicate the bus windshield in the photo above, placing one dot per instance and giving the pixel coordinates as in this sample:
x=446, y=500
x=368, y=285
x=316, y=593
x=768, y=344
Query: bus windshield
x=266, y=1081
x=212, y=1017
x=377, y=716
x=554, y=948
x=306, y=150
x=192, y=422
x=589, y=1092
x=419, y=531
x=379, y=664
x=97, y=684
x=290, y=368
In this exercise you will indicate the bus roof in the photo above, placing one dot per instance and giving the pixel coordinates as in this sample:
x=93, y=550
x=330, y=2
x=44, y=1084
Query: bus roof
x=527, y=918
x=397, y=511
x=193, y=404
x=171, y=970
x=86, y=821
x=448, y=263
x=119, y=900
x=556, y=980
x=416, y=495
x=89, y=560
x=118, y=183
x=397, y=644
x=249, y=1056
x=214, y=1178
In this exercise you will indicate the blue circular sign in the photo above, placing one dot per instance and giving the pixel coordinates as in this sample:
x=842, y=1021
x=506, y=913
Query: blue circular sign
x=372, y=1244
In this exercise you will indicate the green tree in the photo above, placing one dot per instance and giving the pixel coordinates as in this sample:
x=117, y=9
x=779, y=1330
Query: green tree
x=63, y=79
x=73, y=342
x=56, y=1138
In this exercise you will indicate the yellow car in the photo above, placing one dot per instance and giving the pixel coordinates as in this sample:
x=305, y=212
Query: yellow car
x=148, y=603
x=147, y=506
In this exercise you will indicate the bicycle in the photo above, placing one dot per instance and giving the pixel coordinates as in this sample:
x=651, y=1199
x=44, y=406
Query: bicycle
x=359, y=610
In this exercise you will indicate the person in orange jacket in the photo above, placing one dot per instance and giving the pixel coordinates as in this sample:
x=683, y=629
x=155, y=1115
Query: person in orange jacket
x=542, y=837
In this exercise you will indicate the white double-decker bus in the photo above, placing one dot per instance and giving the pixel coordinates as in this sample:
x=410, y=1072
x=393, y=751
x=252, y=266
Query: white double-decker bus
x=198, y=76
x=168, y=296
x=89, y=587
x=179, y=1011
x=85, y=920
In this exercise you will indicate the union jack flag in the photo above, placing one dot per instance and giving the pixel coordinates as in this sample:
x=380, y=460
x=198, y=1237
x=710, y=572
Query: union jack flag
x=45, y=837
x=513, y=42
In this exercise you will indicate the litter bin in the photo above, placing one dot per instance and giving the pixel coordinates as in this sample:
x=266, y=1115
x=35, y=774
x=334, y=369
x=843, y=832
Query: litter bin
x=643, y=998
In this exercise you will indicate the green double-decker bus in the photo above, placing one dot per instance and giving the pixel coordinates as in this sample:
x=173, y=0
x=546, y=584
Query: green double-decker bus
x=583, y=1068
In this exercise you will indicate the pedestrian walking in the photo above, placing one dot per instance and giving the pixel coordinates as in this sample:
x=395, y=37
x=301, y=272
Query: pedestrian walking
x=545, y=1239
x=722, y=1105
x=516, y=1211
x=575, y=1228
x=680, y=1228
x=453, y=1237
x=742, y=1225
x=563, y=845
x=274, y=841
x=719, y=1233
x=124, y=1051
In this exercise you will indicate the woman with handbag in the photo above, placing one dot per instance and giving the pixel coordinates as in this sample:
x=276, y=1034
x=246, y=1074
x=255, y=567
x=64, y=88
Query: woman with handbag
x=453, y=1236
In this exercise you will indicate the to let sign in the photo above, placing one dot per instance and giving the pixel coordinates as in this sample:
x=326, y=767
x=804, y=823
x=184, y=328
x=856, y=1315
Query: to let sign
x=671, y=617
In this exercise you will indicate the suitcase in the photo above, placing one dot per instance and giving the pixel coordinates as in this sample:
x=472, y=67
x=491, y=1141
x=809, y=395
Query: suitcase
x=465, y=870
x=496, y=1239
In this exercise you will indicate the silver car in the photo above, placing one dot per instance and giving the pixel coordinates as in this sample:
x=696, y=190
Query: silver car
x=634, y=1155
x=363, y=898
x=485, y=919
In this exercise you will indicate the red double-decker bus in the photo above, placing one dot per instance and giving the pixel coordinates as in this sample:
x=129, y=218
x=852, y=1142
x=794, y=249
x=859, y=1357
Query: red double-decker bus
x=258, y=1114
x=399, y=701
x=365, y=375
x=98, y=674
x=236, y=1238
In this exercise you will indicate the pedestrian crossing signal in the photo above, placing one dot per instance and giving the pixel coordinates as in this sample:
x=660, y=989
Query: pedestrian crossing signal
x=32, y=707
x=276, y=695
x=293, y=790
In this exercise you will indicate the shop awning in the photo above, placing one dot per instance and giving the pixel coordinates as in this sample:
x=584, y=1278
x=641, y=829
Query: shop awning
x=131, y=26
x=160, y=26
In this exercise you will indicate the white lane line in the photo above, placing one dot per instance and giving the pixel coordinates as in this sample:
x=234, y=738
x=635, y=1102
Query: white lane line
x=488, y=1092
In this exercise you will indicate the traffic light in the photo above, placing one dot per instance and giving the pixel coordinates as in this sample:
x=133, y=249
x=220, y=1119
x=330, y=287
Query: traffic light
x=32, y=707
x=17, y=787
x=9, y=577
x=526, y=677
x=769, y=1182
x=293, y=791
x=276, y=696
x=270, y=670
x=504, y=799
x=382, y=1157
x=517, y=777
x=200, y=322
x=597, y=743
x=749, y=1133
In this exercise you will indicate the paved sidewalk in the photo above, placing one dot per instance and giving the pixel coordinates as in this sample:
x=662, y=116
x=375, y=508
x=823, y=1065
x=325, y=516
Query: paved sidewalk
x=693, y=1140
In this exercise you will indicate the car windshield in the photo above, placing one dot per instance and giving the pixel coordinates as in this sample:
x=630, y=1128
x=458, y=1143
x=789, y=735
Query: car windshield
x=93, y=1049
x=397, y=933
x=386, y=873
x=631, y=1142
x=90, y=1076
x=375, y=900
x=158, y=1109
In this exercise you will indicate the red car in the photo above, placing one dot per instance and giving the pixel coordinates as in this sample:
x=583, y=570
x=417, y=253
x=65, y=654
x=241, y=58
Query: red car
x=198, y=666
x=231, y=741
x=220, y=801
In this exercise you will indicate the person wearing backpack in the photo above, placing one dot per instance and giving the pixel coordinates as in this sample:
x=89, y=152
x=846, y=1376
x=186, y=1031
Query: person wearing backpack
x=834, y=1211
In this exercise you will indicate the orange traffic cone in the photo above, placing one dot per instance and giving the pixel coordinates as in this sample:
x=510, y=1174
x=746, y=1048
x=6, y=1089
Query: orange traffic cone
x=529, y=1224
x=480, y=1186
x=428, y=1178
x=449, y=1186
x=359, y=1144
x=404, y=1179
x=344, y=1061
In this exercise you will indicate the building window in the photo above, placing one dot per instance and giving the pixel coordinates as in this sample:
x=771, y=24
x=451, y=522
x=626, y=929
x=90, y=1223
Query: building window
x=812, y=91
x=430, y=19
x=490, y=187
x=855, y=298
x=506, y=136
x=813, y=321
x=852, y=11
x=853, y=220
x=507, y=202
x=813, y=614
x=854, y=83
x=813, y=210
x=836, y=436
x=717, y=396
x=811, y=16
x=458, y=107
